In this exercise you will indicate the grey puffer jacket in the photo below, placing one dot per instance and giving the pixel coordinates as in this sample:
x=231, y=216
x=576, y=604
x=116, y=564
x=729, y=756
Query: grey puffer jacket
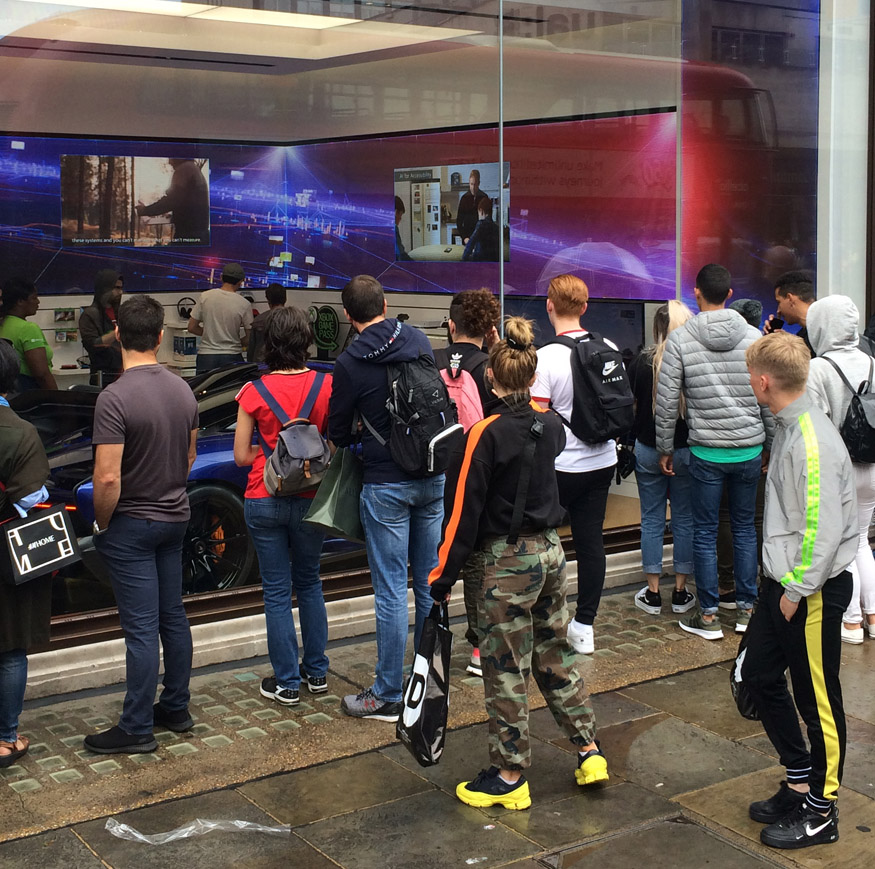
x=705, y=360
x=832, y=329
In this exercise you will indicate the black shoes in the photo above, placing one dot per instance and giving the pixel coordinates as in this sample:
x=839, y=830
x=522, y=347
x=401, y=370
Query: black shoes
x=801, y=828
x=285, y=696
x=316, y=684
x=776, y=807
x=178, y=721
x=117, y=741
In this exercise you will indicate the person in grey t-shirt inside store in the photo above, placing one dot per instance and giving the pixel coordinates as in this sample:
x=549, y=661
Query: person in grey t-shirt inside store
x=224, y=319
x=145, y=430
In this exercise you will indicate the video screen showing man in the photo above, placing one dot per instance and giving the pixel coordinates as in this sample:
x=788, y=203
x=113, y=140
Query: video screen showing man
x=466, y=217
x=187, y=200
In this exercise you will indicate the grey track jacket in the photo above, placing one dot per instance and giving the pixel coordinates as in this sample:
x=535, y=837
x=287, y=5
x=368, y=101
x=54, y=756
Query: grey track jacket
x=705, y=360
x=832, y=329
x=810, y=529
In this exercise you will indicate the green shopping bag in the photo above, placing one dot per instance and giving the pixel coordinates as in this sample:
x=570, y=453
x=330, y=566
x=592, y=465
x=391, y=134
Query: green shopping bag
x=335, y=509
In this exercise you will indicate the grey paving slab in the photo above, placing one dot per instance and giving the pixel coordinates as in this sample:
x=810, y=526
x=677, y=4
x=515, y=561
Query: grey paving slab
x=429, y=831
x=591, y=813
x=252, y=850
x=334, y=788
x=663, y=846
x=726, y=806
x=610, y=708
x=858, y=664
x=58, y=848
x=700, y=697
x=670, y=756
x=551, y=776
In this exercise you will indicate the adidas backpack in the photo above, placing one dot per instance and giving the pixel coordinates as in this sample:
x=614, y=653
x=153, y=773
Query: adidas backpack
x=300, y=458
x=462, y=387
x=424, y=426
x=858, y=427
x=603, y=405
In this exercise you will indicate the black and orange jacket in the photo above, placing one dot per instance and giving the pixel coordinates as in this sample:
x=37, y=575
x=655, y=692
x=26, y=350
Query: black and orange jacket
x=482, y=484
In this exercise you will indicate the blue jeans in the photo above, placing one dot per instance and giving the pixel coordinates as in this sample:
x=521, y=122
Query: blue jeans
x=276, y=526
x=144, y=557
x=401, y=521
x=654, y=489
x=13, y=681
x=208, y=361
x=740, y=479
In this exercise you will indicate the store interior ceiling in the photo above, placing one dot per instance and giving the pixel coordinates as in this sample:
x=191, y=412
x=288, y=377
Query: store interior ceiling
x=228, y=71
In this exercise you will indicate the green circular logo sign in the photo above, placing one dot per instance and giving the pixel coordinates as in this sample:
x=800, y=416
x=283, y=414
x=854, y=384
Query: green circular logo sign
x=326, y=327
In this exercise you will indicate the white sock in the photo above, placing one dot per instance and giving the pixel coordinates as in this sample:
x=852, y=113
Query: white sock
x=511, y=783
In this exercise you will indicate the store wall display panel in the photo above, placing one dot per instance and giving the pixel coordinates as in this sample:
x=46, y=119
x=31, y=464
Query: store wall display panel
x=595, y=197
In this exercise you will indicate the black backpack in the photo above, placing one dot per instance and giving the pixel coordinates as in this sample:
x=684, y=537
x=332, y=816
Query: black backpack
x=603, y=405
x=858, y=427
x=425, y=429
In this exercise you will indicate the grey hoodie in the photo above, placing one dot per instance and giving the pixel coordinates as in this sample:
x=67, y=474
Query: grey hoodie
x=705, y=360
x=832, y=330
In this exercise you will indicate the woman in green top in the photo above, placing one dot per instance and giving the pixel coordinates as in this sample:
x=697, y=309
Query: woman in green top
x=20, y=301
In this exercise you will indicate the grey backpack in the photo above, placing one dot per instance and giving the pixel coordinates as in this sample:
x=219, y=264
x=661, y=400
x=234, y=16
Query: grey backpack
x=300, y=458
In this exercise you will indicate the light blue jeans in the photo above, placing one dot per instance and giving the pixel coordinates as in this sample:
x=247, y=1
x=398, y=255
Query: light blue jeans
x=13, y=681
x=288, y=552
x=708, y=480
x=654, y=490
x=402, y=521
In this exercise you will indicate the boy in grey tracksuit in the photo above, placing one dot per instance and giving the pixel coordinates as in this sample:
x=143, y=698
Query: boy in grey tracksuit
x=810, y=538
x=729, y=431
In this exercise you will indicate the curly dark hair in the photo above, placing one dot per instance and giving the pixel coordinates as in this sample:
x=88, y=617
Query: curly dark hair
x=288, y=333
x=475, y=313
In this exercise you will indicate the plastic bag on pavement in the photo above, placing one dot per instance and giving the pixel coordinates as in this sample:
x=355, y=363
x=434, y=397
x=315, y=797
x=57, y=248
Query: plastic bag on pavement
x=422, y=726
x=197, y=827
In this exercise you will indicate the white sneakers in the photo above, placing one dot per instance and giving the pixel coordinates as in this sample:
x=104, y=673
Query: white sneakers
x=580, y=638
x=854, y=636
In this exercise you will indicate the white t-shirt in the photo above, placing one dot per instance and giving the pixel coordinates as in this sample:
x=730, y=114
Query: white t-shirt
x=553, y=383
x=223, y=314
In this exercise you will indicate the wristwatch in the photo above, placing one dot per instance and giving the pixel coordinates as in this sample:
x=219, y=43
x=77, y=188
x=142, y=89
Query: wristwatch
x=96, y=530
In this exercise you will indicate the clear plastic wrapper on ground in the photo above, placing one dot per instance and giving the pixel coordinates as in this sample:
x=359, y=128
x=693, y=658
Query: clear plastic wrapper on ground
x=197, y=827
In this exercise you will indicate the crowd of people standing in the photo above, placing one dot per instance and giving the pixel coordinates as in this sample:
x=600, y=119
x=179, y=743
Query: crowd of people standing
x=712, y=399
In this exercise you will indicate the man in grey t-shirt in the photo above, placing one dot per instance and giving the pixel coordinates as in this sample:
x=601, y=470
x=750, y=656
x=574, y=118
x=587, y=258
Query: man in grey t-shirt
x=220, y=316
x=145, y=430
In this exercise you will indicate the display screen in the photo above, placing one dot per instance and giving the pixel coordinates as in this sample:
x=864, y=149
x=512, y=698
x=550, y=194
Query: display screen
x=593, y=197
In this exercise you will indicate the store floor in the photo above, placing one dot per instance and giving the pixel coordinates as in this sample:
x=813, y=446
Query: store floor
x=683, y=766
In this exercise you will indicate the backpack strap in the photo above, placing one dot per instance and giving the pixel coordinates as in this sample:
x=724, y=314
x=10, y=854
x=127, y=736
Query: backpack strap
x=522, y=491
x=276, y=408
x=376, y=435
x=845, y=379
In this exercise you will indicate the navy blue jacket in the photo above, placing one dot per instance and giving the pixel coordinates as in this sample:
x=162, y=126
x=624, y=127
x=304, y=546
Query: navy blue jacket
x=360, y=384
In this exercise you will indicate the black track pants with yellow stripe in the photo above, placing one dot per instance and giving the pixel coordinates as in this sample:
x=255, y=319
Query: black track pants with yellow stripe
x=810, y=647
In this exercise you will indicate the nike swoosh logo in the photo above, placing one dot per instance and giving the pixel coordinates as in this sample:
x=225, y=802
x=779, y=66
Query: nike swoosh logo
x=608, y=368
x=809, y=831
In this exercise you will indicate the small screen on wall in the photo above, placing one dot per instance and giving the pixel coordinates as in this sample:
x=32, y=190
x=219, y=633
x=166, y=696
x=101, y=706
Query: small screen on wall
x=595, y=197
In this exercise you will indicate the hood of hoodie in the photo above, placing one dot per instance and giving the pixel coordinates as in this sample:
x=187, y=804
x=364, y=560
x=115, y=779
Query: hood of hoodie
x=832, y=324
x=385, y=342
x=720, y=331
x=104, y=281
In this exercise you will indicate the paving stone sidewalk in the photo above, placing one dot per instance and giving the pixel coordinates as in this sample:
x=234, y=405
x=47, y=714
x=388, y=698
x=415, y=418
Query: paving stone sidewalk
x=683, y=765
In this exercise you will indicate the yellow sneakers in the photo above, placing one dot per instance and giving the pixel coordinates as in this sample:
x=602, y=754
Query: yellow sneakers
x=489, y=789
x=592, y=767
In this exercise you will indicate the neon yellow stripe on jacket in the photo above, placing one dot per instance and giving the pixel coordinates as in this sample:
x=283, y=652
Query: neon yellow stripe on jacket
x=812, y=500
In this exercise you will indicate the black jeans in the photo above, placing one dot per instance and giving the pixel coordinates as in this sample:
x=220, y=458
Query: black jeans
x=585, y=497
x=809, y=645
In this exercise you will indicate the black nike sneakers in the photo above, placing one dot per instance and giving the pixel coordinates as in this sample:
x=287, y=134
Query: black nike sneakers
x=801, y=828
x=776, y=807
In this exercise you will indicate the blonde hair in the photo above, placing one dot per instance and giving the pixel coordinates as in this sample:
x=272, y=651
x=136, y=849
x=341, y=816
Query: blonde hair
x=568, y=294
x=782, y=356
x=513, y=360
x=668, y=317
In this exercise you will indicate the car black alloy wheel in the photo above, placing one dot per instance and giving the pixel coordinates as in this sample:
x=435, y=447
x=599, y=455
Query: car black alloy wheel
x=217, y=553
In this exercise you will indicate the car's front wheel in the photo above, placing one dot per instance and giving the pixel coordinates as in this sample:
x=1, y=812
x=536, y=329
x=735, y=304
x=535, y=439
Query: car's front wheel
x=217, y=552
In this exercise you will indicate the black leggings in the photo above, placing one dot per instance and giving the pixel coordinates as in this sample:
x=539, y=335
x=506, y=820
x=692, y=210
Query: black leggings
x=585, y=497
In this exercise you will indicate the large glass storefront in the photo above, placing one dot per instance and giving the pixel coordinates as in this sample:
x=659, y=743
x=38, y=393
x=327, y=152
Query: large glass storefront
x=625, y=142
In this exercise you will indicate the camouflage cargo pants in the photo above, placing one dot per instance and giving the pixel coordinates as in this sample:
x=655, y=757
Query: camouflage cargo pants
x=471, y=575
x=523, y=616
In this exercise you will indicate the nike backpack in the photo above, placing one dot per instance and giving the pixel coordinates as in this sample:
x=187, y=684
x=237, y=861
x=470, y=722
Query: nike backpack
x=462, y=389
x=301, y=456
x=424, y=426
x=858, y=427
x=603, y=405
